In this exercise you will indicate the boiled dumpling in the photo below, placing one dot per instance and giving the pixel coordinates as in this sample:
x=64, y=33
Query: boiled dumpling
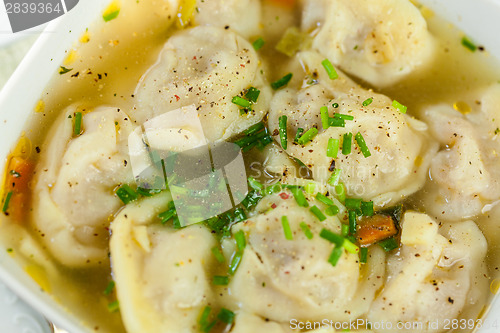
x=242, y=16
x=281, y=279
x=161, y=273
x=73, y=197
x=399, y=147
x=377, y=41
x=248, y=323
x=435, y=274
x=465, y=174
x=205, y=67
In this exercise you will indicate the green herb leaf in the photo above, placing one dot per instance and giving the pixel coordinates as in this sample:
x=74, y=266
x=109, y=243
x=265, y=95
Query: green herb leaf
x=283, y=131
x=330, y=70
x=281, y=82
x=126, y=194
x=64, y=70
x=258, y=43
x=306, y=230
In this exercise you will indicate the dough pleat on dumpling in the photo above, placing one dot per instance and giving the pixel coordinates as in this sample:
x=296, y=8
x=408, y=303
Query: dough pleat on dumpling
x=74, y=184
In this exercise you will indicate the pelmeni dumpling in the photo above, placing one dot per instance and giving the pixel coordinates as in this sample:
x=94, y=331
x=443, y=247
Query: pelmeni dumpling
x=378, y=41
x=400, y=150
x=281, y=279
x=207, y=67
x=161, y=273
x=433, y=276
x=242, y=16
x=73, y=197
x=248, y=323
x=465, y=174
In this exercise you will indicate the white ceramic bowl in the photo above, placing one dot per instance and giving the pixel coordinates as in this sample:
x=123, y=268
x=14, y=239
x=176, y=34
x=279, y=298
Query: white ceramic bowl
x=480, y=19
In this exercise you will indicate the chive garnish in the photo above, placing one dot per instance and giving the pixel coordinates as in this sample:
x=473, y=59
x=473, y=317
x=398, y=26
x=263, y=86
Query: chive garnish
x=240, y=101
x=299, y=197
x=399, y=106
x=241, y=242
x=367, y=101
x=333, y=148
x=306, y=230
x=77, y=125
x=331, y=237
x=64, y=70
x=362, y=145
x=283, y=131
x=298, y=134
x=254, y=128
x=226, y=316
x=252, y=94
x=258, y=44
x=353, y=204
x=332, y=210
x=469, y=44
x=346, y=143
x=218, y=280
x=352, y=222
x=6, y=202
x=257, y=186
x=235, y=263
x=205, y=326
x=336, y=122
x=111, y=15
x=389, y=244
x=350, y=246
x=345, y=230
x=363, y=255
x=308, y=136
x=109, y=288
x=325, y=119
x=343, y=116
x=322, y=198
x=330, y=70
x=218, y=254
x=281, y=82
x=126, y=194
x=310, y=188
x=335, y=177
x=335, y=105
x=340, y=192
x=367, y=208
x=335, y=256
x=286, y=228
x=317, y=212
x=114, y=306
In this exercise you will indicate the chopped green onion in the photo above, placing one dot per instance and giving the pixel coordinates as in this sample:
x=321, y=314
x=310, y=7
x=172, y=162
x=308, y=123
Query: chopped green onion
x=346, y=143
x=147, y=192
x=6, y=202
x=310, y=188
x=298, y=134
x=205, y=326
x=299, y=197
x=325, y=119
x=332, y=210
x=218, y=254
x=281, y=82
x=353, y=204
x=108, y=16
x=352, y=222
x=362, y=145
x=235, y=263
x=240, y=101
x=272, y=189
x=226, y=316
x=389, y=244
x=258, y=44
x=316, y=211
x=399, y=106
x=306, y=230
x=363, y=255
x=255, y=184
x=335, y=105
x=368, y=101
x=335, y=177
x=340, y=192
x=343, y=116
x=330, y=70
x=333, y=148
x=367, y=208
x=336, y=122
x=335, y=255
x=109, y=288
x=114, y=306
x=332, y=237
x=469, y=44
x=254, y=128
x=345, y=230
x=283, y=131
x=350, y=246
x=252, y=94
x=218, y=280
x=286, y=228
x=77, y=126
x=166, y=216
x=126, y=194
x=240, y=240
x=308, y=136
x=324, y=199
x=64, y=70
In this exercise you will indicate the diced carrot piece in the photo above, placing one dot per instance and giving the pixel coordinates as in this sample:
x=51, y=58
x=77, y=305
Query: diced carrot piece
x=18, y=206
x=374, y=229
x=19, y=174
